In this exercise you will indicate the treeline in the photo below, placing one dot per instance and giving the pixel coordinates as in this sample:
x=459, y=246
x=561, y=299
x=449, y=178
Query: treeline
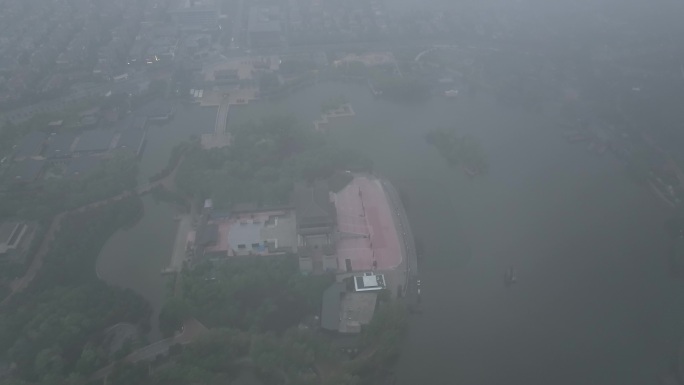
x=52, y=196
x=459, y=150
x=53, y=331
x=225, y=356
x=263, y=163
x=256, y=331
x=176, y=155
x=268, y=294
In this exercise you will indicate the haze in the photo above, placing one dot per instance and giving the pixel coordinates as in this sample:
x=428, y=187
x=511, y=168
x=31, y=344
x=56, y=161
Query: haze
x=328, y=192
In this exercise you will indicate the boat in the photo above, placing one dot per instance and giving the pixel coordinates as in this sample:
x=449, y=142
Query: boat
x=471, y=172
x=510, y=277
x=451, y=93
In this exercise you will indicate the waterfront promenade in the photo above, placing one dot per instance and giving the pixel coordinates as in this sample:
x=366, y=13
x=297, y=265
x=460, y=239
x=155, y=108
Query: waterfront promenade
x=410, y=257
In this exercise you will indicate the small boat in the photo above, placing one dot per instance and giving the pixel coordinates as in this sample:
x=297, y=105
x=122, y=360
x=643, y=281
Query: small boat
x=471, y=172
x=510, y=277
x=451, y=93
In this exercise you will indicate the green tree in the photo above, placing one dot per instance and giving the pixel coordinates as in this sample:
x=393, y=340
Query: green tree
x=174, y=311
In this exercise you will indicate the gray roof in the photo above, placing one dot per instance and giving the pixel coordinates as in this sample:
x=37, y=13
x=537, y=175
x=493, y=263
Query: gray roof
x=245, y=233
x=332, y=303
x=94, y=141
x=28, y=170
x=208, y=235
x=82, y=166
x=59, y=145
x=31, y=145
x=313, y=205
x=285, y=232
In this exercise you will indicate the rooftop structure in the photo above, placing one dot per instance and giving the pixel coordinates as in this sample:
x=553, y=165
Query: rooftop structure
x=253, y=233
x=315, y=211
x=94, y=141
x=11, y=234
x=369, y=282
x=30, y=146
x=345, y=312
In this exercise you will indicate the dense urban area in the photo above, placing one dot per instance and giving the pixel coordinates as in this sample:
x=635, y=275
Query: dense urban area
x=291, y=257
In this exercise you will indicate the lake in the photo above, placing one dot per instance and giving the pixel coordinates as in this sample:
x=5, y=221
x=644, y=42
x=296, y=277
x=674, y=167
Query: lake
x=133, y=258
x=595, y=303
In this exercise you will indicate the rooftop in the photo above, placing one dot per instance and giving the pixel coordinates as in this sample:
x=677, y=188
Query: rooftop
x=330, y=311
x=259, y=233
x=367, y=236
x=357, y=309
x=313, y=205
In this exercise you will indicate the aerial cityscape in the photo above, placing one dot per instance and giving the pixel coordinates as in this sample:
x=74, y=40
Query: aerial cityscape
x=327, y=192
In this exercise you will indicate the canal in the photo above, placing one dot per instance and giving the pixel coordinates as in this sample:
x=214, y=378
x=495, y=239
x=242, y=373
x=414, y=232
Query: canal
x=595, y=303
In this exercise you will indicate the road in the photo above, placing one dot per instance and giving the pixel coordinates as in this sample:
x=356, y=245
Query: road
x=178, y=256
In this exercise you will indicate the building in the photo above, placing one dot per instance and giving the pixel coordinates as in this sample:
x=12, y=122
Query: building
x=11, y=234
x=264, y=27
x=31, y=146
x=346, y=312
x=94, y=142
x=316, y=218
x=196, y=15
x=249, y=233
x=369, y=282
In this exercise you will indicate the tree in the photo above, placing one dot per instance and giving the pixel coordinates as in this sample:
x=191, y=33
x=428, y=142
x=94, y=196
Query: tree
x=174, y=311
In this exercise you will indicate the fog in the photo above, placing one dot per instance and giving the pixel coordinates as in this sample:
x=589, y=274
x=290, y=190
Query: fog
x=340, y=192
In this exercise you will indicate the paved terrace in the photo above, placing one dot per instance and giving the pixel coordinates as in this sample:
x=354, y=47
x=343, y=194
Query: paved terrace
x=367, y=230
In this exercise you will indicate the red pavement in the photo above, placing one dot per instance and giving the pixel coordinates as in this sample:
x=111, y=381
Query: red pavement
x=364, y=216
